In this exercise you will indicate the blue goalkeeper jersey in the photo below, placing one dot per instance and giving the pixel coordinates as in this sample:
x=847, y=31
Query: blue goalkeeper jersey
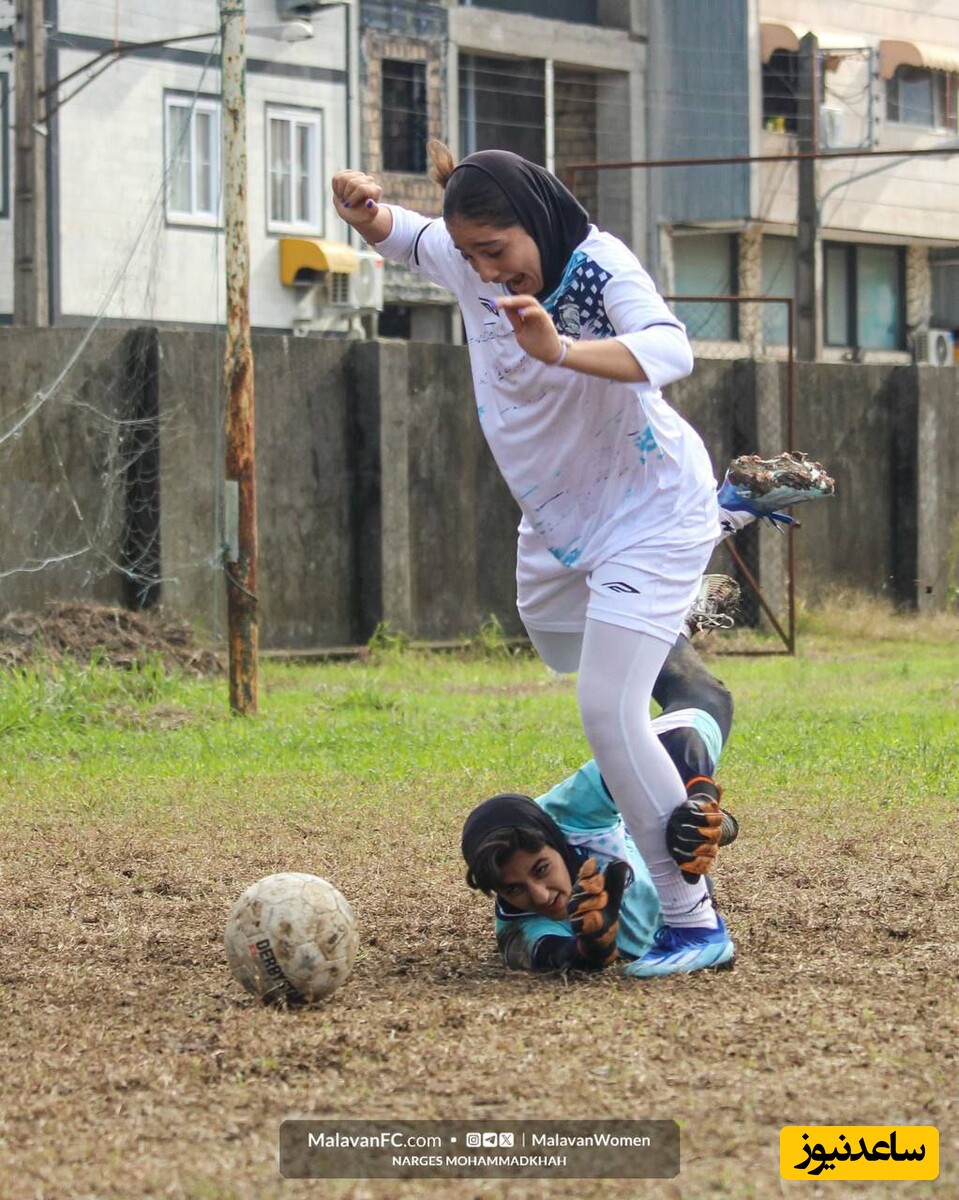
x=591, y=823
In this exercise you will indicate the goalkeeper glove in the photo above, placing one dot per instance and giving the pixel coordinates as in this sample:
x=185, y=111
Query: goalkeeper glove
x=698, y=827
x=593, y=909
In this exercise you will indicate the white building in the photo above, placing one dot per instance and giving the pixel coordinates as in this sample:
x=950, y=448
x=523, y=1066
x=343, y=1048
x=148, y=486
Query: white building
x=731, y=78
x=132, y=147
x=132, y=144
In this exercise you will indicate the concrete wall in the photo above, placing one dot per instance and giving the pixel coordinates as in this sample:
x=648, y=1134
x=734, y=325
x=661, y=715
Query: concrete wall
x=378, y=499
x=61, y=498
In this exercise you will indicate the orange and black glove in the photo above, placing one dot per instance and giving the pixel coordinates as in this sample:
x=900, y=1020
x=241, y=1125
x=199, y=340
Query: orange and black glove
x=698, y=827
x=593, y=909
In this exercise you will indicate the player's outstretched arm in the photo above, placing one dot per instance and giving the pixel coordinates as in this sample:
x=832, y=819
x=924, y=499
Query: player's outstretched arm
x=605, y=357
x=593, y=909
x=357, y=200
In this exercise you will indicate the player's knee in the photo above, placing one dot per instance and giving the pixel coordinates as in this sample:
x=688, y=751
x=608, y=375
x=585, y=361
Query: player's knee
x=718, y=702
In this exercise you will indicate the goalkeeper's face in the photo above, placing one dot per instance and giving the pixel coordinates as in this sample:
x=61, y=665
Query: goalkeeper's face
x=537, y=881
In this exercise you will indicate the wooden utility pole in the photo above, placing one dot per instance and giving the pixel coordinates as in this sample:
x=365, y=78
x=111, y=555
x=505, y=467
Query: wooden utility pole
x=809, y=274
x=30, y=275
x=240, y=495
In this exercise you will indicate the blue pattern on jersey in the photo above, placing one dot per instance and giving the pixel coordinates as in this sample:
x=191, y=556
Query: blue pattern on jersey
x=645, y=442
x=576, y=305
x=567, y=555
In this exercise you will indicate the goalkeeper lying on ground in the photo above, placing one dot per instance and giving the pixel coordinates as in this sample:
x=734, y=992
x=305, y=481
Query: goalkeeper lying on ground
x=571, y=888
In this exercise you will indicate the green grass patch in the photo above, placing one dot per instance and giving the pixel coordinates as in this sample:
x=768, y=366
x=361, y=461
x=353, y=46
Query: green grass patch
x=846, y=721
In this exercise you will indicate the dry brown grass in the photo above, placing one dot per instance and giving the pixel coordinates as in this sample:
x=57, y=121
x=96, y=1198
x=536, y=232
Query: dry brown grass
x=856, y=616
x=111, y=635
x=135, y=1067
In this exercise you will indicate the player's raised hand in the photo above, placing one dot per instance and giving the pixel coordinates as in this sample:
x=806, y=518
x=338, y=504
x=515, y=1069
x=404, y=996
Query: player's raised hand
x=593, y=909
x=356, y=197
x=533, y=327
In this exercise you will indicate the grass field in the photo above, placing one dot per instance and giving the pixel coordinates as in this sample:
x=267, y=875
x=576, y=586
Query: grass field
x=134, y=810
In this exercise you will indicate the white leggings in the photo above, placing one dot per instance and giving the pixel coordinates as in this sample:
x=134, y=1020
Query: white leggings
x=617, y=670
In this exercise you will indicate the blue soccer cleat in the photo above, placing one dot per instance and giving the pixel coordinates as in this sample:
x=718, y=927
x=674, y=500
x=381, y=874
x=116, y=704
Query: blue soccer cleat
x=677, y=951
x=763, y=486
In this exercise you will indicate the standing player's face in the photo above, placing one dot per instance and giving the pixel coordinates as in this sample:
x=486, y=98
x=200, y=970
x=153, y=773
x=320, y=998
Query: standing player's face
x=537, y=881
x=507, y=256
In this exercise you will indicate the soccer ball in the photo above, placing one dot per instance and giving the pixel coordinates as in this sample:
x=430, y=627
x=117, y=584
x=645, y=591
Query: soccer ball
x=291, y=938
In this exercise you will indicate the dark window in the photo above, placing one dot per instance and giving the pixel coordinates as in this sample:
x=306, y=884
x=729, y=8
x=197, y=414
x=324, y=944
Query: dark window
x=586, y=12
x=781, y=90
x=395, y=321
x=503, y=105
x=915, y=96
x=863, y=301
x=404, y=117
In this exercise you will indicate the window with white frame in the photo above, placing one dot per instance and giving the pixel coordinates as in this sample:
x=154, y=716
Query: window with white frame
x=294, y=152
x=916, y=96
x=193, y=159
x=778, y=280
x=864, y=296
x=706, y=265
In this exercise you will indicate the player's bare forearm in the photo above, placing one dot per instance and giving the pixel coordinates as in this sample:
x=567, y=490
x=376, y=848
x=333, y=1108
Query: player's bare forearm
x=356, y=197
x=606, y=358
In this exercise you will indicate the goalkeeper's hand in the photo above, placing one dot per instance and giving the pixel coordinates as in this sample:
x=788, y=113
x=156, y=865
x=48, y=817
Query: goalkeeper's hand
x=593, y=909
x=698, y=827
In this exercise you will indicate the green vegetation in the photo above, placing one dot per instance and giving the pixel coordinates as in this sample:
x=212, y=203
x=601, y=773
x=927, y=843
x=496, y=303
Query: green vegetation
x=873, y=715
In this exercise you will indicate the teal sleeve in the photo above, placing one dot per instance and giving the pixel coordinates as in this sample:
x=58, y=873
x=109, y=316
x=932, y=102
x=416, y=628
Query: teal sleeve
x=581, y=801
x=518, y=936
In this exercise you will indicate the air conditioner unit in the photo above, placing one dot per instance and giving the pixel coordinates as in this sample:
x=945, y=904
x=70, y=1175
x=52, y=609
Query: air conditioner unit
x=353, y=291
x=936, y=348
x=366, y=284
x=830, y=127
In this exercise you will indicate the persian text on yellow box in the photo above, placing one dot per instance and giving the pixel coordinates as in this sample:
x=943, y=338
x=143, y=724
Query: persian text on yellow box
x=859, y=1152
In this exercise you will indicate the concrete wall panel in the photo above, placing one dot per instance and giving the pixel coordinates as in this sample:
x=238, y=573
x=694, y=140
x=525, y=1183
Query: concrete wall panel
x=378, y=498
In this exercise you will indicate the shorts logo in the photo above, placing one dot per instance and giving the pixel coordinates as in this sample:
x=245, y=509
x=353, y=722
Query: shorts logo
x=621, y=587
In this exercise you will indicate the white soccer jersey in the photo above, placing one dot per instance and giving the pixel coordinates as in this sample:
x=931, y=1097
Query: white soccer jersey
x=595, y=466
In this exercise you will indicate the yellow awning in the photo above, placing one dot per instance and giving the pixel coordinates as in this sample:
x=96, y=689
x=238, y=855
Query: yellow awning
x=314, y=254
x=775, y=35
x=786, y=35
x=917, y=54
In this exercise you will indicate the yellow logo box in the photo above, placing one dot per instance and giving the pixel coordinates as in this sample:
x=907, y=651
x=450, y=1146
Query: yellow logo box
x=859, y=1152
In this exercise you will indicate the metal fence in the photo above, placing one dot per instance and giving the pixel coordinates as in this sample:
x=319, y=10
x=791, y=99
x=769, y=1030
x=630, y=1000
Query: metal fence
x=770, y=604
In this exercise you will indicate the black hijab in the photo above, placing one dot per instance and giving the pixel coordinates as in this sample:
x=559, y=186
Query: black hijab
x=546, y=208
x=509, y=810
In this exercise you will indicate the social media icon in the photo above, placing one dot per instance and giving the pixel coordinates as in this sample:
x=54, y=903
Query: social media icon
x=506, y=1139
x=473, y=1139
x=489, y=1139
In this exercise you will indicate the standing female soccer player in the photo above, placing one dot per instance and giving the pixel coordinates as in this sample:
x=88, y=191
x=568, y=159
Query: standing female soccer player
x=570, y=344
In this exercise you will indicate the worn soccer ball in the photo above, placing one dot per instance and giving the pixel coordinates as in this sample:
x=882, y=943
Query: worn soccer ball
x=291, y=939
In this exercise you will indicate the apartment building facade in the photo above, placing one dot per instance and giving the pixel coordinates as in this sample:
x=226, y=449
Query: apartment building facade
x=746, y=80
x=129, y=132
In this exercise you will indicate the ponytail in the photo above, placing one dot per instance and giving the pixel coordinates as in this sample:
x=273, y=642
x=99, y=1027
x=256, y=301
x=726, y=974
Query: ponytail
x=442, y=160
